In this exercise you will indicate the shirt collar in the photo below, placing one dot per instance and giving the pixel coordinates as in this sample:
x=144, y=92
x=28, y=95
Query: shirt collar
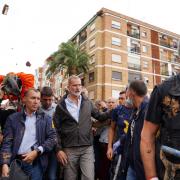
x=79, y=99
x=27, y=115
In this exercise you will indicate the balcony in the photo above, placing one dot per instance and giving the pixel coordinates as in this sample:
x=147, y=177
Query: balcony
x=164, y=43
x=134, y=76
x=82, y=36
x=175, y=69
x=134, y=50
x=165, y=72
x=168, y=41
x=175, y=59
x=134, y=66
x=133, y=30
x=134, y=34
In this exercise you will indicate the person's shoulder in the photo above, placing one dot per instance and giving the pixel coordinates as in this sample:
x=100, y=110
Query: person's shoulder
x=118, y=108
x=44, y=116
x=144, y=104
x=61, y=101
x=168, y=82
x=54, y=105
x=41, y=114
x=15, y=114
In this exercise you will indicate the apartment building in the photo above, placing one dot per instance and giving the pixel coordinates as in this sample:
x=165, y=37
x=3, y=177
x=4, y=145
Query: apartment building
x=55, y=81
x=123, y=49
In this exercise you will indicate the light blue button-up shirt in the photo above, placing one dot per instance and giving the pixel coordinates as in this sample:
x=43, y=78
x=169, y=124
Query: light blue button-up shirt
x=29, y=138
x=73, y=108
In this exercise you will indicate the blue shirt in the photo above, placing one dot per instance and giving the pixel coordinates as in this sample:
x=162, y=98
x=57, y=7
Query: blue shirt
x=73, y=108
x=29, y=138
x=121, y=115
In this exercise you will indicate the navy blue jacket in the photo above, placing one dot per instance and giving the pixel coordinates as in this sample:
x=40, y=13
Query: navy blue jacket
x=14, y=132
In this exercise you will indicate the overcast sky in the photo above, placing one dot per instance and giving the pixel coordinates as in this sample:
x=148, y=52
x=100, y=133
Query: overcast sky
x=33, y=29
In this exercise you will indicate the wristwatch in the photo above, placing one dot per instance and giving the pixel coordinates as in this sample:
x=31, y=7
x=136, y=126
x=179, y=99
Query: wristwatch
x=38, y=151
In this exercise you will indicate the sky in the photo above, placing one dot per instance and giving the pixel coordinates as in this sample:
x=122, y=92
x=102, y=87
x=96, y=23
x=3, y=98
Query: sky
x=33, y=29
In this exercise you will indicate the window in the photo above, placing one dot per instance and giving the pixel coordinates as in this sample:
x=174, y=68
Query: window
x=92, y=59
x=144, y=49
x=116, y=58
x=82, y=36
x=92, y=27
x=92, y=43
x=134, y=63
x=145, y=64
x=116, y=75
x=165, y=69
x=91, y=77
x=134, y=76
x=116, y=25
x=134, y=46
x=174, y=44
x=116, y=41
x=115, y=93
x=144, y=34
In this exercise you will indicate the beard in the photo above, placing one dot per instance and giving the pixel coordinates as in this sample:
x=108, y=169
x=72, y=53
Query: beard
x=77, y=93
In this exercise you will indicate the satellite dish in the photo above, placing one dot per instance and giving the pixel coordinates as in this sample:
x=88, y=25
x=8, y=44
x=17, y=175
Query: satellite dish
x=28, y=64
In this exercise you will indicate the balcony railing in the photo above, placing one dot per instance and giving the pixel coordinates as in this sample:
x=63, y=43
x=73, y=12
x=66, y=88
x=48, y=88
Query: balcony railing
x=168, y=45
x=165, y=72
x=135, y=77
x=82, y=39
x=134, y=66
x=134, y=50
x=134, y=34
x=175, y=59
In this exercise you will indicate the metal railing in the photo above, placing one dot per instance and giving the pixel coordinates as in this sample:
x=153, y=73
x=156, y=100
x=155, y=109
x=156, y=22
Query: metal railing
x=134, y=66
x=135, y=34
x=134, y=50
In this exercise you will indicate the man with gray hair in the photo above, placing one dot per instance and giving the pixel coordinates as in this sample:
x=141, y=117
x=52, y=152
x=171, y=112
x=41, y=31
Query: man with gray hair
x=73, y=125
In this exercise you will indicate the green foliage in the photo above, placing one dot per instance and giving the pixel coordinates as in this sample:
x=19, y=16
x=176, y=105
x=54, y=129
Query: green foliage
x=69, y=57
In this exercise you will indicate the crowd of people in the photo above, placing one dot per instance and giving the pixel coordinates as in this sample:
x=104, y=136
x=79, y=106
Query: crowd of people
x=75, y=138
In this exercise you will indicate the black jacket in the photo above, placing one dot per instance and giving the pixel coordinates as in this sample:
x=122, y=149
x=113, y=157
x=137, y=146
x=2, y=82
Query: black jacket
x=72, y=133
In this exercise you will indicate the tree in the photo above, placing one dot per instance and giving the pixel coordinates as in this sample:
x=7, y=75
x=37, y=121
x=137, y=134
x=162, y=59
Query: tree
x=70, y=57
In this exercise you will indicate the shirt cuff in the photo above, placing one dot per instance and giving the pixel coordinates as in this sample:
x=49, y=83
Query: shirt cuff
x=41, y=149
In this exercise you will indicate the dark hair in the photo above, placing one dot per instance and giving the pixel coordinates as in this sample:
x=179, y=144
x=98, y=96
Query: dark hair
x=46, y=91
x=139, y=87
x=122, y=92
x=30, y=89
